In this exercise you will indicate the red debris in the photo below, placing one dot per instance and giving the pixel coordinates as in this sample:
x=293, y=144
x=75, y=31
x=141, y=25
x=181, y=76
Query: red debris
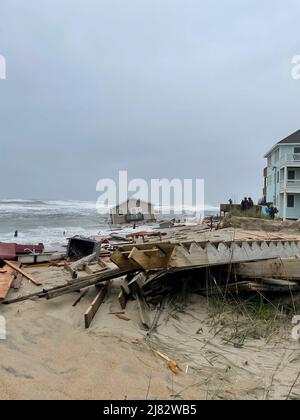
x=9, y=251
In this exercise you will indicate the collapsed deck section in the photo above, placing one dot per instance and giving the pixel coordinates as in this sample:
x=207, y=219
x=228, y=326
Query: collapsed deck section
x=185, y=255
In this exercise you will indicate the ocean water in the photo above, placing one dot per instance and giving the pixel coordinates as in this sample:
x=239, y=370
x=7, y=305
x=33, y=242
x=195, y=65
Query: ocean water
x=47, y=221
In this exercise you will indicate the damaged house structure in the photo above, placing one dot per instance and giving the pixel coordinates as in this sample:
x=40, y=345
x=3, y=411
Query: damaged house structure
x=132, y=211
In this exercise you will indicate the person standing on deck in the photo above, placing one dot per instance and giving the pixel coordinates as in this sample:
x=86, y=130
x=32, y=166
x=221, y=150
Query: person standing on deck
x=244, y=204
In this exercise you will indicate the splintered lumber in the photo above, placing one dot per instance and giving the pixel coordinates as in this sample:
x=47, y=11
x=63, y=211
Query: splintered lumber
x=79, y=284
x=6, y=281
x=95, y=305
x=278, y=268
x=24, y=274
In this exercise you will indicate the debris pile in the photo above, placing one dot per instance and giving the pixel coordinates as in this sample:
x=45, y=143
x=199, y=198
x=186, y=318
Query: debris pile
x=222, y=261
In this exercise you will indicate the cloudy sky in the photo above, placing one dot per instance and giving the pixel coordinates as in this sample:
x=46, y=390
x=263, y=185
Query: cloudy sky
x=162, y=88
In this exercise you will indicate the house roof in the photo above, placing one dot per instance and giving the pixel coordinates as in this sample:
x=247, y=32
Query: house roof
x=131, y=199
x=291, y=139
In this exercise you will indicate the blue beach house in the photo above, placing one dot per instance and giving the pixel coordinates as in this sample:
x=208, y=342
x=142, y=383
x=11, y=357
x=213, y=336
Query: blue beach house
x=282, y=176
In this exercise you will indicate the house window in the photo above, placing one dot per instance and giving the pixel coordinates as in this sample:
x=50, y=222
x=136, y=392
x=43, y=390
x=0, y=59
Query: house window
x=291, y=201
x=291, y=175
x=138, y=203
x=297, y=150
x=278, y=178
x=277, y=155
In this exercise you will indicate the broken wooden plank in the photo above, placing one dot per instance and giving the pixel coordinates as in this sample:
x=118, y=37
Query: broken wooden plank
x=125, y=288
x=79, y=264
x=122, y=298
x=72, y=287
x=6, y=281
x=276, y=268
x=80, y=297
x=95, y=305
x=24, y=274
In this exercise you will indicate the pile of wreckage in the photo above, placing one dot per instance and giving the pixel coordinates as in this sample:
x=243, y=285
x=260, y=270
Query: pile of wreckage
x=154, y=268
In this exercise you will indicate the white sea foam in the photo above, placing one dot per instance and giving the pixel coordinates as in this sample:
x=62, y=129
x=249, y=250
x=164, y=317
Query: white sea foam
x=51, y=222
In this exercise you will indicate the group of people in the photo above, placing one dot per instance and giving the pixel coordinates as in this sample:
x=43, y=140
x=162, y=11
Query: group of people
x=271, y=211
x=247, y=204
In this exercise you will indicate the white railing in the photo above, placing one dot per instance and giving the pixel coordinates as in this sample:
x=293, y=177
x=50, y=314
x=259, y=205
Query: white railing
x=291, y=183
x=291, y=158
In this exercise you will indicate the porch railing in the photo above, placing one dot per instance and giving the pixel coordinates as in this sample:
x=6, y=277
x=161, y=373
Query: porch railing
x=290, y=158
x=291, y=183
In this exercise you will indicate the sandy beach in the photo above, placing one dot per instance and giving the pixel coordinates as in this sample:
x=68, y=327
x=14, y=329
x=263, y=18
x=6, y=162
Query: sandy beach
x=48, y=354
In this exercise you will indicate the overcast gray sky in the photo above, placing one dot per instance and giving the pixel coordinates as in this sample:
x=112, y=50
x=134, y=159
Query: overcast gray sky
x=163, y=88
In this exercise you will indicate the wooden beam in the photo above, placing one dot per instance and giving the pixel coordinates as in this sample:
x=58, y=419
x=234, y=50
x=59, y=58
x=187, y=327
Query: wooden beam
x=70, y=270
x=122, y=298
x=6, y=281
x=95, y=305
x=277, y=268
x=72, y=287
x=149, y=259
x=80, y=297
x=121, y=260
x=24, y=274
